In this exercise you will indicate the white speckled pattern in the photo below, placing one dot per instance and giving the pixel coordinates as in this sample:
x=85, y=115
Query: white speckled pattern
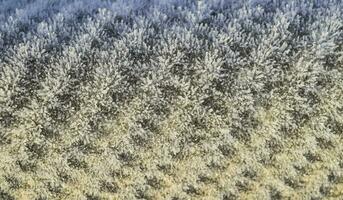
x=173, y=99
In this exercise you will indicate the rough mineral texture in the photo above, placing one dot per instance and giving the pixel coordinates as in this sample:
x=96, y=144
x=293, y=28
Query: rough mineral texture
x=171, y=99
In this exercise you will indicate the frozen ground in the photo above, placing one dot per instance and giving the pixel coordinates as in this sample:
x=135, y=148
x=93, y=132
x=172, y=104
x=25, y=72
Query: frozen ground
x=175, y=99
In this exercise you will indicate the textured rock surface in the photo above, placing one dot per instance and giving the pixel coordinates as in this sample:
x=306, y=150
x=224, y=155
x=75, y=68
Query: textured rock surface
x=171, y=99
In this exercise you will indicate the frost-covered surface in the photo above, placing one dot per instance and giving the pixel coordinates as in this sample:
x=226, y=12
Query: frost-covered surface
x=174, y=99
